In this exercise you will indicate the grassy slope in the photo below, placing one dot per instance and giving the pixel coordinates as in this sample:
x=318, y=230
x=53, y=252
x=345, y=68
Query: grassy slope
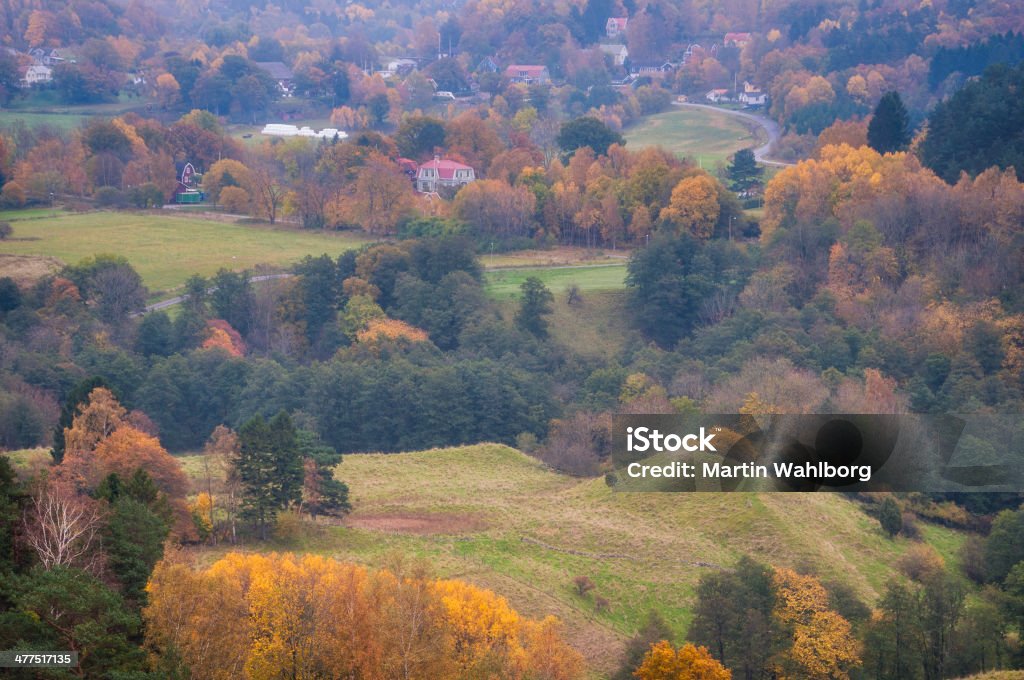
x=28, y=458
x=493, y=516
x=708, y=136
x=596, y=327
x=167, y=249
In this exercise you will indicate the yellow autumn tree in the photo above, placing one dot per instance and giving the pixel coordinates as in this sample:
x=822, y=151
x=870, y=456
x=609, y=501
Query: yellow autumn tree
x=823, y=646
x=390, y=329
x=693, y=207
x=846, y=183
x=269, y=616
x=96, y=420
x=235, y=200
x=664, y=662
x=168, y=91
x=224, y=173
x=202, y=510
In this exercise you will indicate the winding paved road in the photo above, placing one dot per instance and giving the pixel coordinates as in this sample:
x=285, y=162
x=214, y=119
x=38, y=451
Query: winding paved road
x=178, y=299
x=770, y=127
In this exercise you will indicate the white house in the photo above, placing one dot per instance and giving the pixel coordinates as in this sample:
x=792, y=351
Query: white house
x=615, y=26
x=717, y=95
x=37, y=73
x=619, y=53
x=651, y=68
x=442, y=173
x=751, y=95
x=400, y=66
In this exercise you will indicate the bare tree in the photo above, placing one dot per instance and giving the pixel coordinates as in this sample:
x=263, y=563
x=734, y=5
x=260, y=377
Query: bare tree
x=267, y=190
x=62, y=526
x=222, y=451
x=544, y=134
x=119, y=291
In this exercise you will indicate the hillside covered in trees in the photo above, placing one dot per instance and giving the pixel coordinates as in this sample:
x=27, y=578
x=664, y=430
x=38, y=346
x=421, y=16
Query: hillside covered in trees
x=371, y=464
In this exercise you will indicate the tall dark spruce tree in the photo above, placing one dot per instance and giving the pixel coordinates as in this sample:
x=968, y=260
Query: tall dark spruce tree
x=889, y=129
x=744, y=172
x=270, y=467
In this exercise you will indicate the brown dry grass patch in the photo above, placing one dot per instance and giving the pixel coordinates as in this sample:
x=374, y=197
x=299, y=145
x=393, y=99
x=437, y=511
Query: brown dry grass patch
x=27, y=269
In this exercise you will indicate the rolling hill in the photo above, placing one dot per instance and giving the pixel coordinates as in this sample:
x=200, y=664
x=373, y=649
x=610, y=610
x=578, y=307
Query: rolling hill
x=500, y=519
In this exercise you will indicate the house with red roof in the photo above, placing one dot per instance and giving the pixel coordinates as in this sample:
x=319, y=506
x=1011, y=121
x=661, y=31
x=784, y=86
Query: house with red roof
x=528, y=74
x=739, y=40
x=615, y=26
x=438, y=174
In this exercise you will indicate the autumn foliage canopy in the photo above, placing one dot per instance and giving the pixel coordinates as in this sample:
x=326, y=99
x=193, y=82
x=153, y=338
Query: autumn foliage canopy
x=256, y=616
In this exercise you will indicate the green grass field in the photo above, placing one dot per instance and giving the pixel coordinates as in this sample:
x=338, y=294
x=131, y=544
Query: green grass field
x=61, y=121
x=706, y=136
x=45, y=108
x=167, y=249
x=503, y=284
x=495, y=517
x=30, y=214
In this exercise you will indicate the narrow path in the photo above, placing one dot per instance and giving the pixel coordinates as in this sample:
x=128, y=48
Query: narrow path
x=524, y=267
x=770, y=127
x=178, y=299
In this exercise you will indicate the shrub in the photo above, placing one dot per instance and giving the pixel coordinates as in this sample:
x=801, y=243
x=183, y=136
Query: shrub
x=889, y=516
x=920, y=561
x=146, y=195
x=577, y=445
x=908, y=526
x=526, y=442
x=601, y=604
x=5, y=230
x=235, y=200
x=583, y=585
x=288, y=528
x=109, y=197
x=12, y=196
x=972, y=557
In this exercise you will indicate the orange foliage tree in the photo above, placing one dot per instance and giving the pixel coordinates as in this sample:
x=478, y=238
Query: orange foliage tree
x=390, y=329
x=694, y=206
x=259, y=616
x=128, y=449
x=663, y=662
x=96, y=420
x=101, y=441
x=221, y=335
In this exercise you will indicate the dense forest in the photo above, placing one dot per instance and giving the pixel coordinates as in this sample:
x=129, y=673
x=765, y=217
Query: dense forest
x=878, y=269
